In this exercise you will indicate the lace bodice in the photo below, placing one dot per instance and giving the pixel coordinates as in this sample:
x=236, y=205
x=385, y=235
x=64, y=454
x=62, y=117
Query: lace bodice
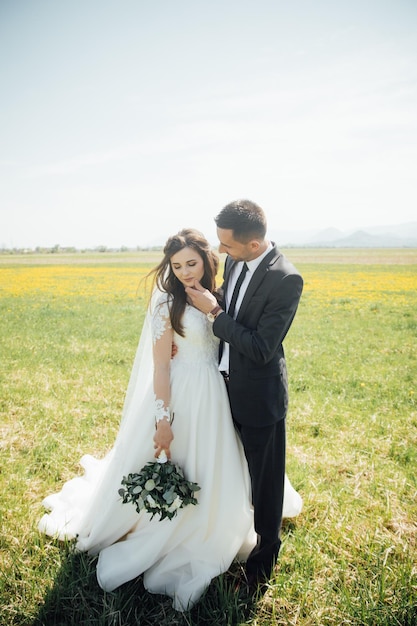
x=199, y=344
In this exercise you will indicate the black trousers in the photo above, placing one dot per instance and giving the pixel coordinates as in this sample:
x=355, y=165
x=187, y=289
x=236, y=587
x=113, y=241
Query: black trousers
x=265, y=452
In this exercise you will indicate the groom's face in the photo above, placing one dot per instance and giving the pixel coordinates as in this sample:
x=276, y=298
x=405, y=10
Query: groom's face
x=237, y=250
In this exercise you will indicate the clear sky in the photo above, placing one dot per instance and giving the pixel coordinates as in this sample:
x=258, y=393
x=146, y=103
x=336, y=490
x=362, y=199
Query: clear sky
x=123, y=121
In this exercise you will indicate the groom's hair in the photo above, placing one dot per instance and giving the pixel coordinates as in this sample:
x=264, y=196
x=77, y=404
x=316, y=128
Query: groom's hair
x=245, y=218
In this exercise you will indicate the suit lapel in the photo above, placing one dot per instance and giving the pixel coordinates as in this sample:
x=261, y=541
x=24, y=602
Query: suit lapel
x=257, y=279
x=229, y=265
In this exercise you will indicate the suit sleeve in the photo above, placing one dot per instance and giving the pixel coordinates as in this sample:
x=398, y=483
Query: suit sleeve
x=260, y=334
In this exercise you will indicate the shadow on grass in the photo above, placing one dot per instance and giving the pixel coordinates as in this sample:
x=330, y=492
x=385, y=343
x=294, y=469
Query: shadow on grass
x=76, y=600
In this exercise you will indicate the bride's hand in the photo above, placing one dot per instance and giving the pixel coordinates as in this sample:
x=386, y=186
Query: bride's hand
x=201, y=298
x=163, y=438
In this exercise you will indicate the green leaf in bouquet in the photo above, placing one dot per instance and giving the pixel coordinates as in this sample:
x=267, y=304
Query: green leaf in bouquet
x=159, y=488
x=169, y=496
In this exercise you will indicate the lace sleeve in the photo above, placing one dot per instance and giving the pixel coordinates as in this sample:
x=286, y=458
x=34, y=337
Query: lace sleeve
x=160, y=320
x=162, y=348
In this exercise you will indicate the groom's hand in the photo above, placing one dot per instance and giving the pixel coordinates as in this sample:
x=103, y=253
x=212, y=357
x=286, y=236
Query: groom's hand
x=201, y=298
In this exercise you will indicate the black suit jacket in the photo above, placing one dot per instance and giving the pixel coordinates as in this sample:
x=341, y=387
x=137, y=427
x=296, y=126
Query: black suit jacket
x=258, y=386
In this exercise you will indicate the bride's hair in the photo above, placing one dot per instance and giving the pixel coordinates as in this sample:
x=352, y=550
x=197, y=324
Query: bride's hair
x=165, y=279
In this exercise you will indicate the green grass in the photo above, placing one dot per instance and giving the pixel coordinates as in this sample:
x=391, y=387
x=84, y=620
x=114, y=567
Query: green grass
x=349, y=558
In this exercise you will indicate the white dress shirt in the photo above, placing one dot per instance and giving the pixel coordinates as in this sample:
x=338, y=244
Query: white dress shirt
x=252, y=266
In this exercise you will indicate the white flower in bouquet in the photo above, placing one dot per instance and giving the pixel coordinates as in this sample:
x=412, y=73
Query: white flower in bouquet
x=176, y=504
x=160, y=488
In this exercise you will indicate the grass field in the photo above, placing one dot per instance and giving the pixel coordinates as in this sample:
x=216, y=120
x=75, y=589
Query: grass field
x=69, y=329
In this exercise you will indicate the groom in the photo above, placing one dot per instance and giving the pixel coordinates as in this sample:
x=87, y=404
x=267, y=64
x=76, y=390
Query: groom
x=261, y=292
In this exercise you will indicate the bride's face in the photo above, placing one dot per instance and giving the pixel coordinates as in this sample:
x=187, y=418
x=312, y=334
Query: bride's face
x=188, y=266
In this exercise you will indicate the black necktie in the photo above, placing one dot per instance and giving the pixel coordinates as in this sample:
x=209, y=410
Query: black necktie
x=232, y=305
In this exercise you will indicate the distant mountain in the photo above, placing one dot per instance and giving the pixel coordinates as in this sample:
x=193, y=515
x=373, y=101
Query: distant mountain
x=392, y=236
x=363, y=239
x=403, y=231
x=329, y=234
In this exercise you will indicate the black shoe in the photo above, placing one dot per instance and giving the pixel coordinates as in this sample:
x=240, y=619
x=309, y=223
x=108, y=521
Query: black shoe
x=257, y=585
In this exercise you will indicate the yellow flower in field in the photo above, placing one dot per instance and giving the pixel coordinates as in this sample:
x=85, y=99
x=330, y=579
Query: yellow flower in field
x=344, y=286
x=98, y=282
x=348, y=285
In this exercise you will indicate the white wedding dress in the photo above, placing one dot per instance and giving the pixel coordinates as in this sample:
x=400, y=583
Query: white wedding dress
x=177, y=557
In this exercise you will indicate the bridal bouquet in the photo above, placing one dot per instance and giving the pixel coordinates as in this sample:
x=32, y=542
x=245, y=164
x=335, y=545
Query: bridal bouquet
x=160, y=488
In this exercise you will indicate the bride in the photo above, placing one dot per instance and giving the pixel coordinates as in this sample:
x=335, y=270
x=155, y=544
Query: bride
x=177, y=557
